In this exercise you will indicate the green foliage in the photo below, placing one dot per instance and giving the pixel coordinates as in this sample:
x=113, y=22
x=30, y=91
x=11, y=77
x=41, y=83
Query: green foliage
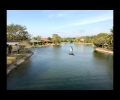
x=56, y=39
x=85, y=39
x=98, y=38
x=77, y=39
x=39, y=38
x=49, y=38
x=64, y=40
x=17, y=32
x=34, y=38
x=69, y=39
x=109, y=39
x=43, y=42
x=111, y=30
x=103, y=40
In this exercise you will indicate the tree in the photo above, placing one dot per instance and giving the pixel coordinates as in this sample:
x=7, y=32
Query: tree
x=61, y=40
x=43, y=42
x=111, y=30
x=77, y=39
x=49, y=38
x=86, y=39
x=56, y=39
x=64, y=40
x=17, y=32
x=38, y=38
x=100, y=39
x=109, y=40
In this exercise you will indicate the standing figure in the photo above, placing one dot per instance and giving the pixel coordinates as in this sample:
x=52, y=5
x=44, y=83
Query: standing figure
x=7, y=49
x=10, y=49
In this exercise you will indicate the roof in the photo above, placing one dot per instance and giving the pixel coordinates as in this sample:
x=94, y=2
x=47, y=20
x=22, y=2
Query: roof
x=45, y=39
x=12, y=42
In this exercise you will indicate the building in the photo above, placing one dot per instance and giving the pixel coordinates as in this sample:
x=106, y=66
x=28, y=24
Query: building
x=33, y=40
x=11, y=42
x=45, y=40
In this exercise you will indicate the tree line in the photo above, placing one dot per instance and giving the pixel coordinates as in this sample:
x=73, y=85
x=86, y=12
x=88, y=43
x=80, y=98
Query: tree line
x=19, y=33
x=104, y=40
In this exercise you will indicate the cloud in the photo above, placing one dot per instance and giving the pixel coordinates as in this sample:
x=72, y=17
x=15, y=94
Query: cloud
x=50, y=16
x=56, y=15
x=60, y=15
x=88, y=21
x=81, y=31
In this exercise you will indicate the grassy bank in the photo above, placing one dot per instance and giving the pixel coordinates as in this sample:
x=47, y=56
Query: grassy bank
x=16, y=59
x=12, y=58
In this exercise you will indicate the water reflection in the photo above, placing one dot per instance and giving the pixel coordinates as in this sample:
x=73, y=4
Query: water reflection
x=105, y=61
x=100, y=55
x=51, y=68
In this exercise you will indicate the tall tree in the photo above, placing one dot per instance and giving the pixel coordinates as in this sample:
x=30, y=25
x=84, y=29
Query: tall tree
x=49, y=38
x=77, y=39
x=100, y=39
x=56, y=38
x=17, y=32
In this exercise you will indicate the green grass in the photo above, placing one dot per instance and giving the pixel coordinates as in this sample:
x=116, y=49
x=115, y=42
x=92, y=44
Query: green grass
x=14, y=57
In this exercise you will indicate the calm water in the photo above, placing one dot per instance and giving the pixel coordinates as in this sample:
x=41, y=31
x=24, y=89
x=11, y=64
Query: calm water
x=51, y=68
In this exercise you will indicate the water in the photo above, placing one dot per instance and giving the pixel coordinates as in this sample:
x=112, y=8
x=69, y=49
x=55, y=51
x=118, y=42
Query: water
x=51, y=68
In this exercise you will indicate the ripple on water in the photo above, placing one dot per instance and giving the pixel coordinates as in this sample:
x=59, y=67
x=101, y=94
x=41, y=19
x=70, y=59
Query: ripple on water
x=52, y=68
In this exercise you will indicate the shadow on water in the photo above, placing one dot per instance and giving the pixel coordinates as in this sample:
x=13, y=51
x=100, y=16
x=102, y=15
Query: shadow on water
x=28, y=72
x=56, y=46
x=104, y=61
x=100, y=55
x=52, y=68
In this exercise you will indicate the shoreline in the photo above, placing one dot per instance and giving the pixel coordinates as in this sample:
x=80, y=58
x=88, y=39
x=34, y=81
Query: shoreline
x=18, y=62
x=83, y=43
x=37, y=46
x=104, y=50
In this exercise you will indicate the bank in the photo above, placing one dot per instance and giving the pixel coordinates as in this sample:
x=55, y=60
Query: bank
x=18, y=62
x=104, y=50
x=83, y=43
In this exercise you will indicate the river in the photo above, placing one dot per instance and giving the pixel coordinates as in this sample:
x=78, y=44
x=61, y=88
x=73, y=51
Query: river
x=51, y=68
